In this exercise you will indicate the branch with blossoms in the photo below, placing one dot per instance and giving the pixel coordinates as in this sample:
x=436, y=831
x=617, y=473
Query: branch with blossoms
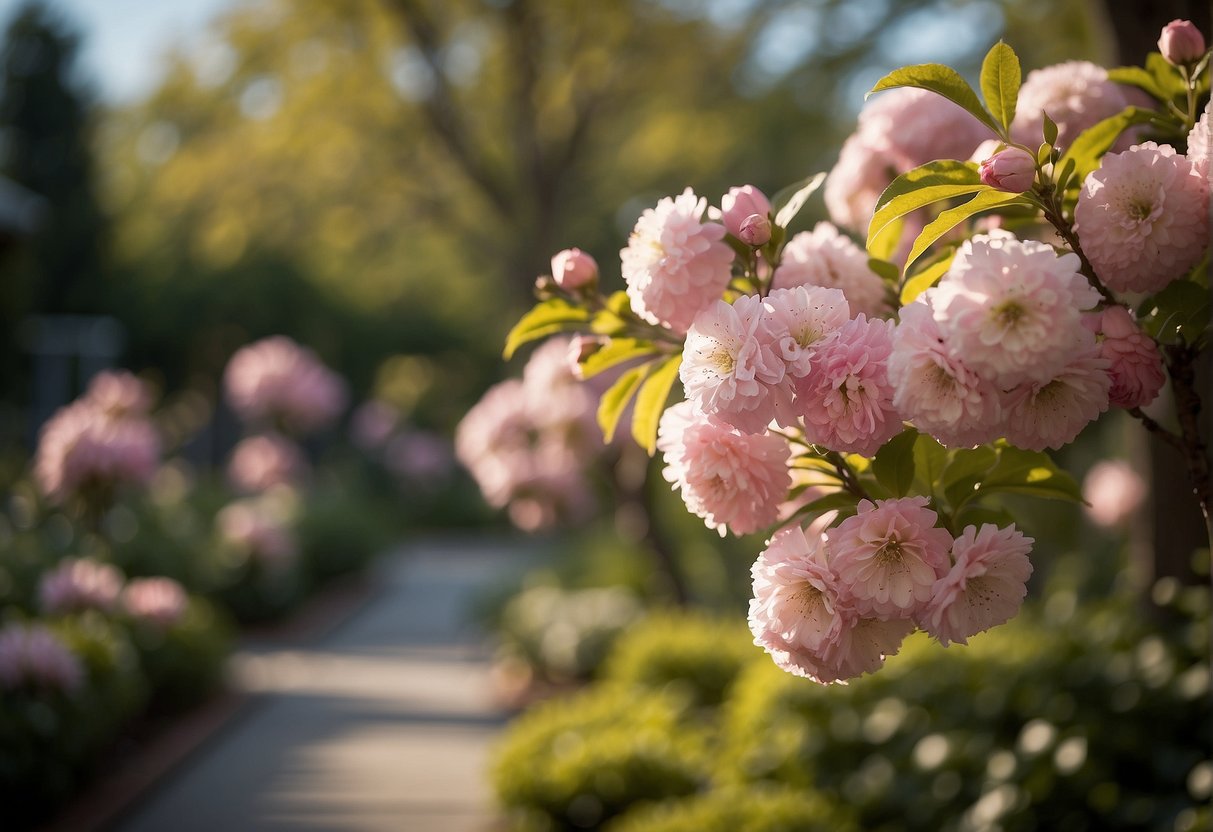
x=1033, y=257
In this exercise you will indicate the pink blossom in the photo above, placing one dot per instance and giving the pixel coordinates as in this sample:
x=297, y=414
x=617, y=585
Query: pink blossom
x=888, y=556
x=675, y=265
x=254, y=528
x=573, y=269
x=1113, y=490
x=856, y=182
x=864, y=646
x=1200, y=145
x=739, y=204
x=984, y=588
x=261, y=462
x=731, y=367
x=1075, y=94
x=33, y=656
x=802, y=318
x=732, y=480
x=420, y=455
x=827, y=258
x=846, y=399
x=79, y=584
x=557, y=400
x=82, y=449
x=1180, y=43
x=119, y=394
x=1012, y=170
x=1052, y=414
x=372, y=423
x=1134, y=363
x=1013, y=309
x=1143, y=218
x=276, y=379
x=933, y=386
x=755, y=230
x=159, y=601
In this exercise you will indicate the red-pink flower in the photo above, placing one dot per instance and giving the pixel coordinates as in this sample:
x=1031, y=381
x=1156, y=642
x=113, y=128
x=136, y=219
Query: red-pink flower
x=262, y=462
x=984, y=588
x=276, y=379
x=675, y=265
x=888, y=556
x=1143, y=218
x=1134, y=363
x=731, y=366
x=846, y=399
x=159, y=601
x=33, y=656
x=1050, y=415
x=827, y=258
x=734, y=481
x=79, y=584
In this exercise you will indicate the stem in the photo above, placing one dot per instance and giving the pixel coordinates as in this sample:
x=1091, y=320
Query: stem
x=850, y=482
x=1172, y=439
x=1180, y=359
x=1053, y=213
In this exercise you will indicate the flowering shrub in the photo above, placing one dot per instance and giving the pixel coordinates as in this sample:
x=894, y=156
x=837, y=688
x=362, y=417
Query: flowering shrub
x=1032, y=258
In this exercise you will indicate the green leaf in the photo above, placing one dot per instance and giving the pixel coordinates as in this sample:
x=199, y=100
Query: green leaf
x=1050, y=129
x=964, y=471
x=1000, y=79
x=1135, y=76
x=927, y=278
x=788, y=202
x=929, y=460
x=888, y=272
x=893, y=464
x=917, y=188
x=1092, y=143
x=975, y=515
x=949, y=219
x=1032, y=473
x=942, y=80
x=616, y=351
x=1164, y=76
x=544, y=319
x=614, y=400
x=834, y=501
x=1179, y=313
x=885, y=245
x=651, y=400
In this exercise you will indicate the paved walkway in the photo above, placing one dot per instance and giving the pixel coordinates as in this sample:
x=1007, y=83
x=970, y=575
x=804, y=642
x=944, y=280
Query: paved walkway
x=383, y=724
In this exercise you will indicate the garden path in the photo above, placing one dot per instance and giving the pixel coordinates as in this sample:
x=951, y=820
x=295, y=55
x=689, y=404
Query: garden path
x=382, y=724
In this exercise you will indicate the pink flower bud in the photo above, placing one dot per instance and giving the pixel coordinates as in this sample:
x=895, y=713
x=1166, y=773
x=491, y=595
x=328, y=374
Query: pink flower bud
x=739, y=204
x=1181, y=43
x=755, y=231
x=573, y=269
x=1013, y=170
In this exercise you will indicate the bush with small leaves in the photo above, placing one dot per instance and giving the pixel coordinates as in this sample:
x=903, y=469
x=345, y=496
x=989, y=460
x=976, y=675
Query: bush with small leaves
x=759, y=808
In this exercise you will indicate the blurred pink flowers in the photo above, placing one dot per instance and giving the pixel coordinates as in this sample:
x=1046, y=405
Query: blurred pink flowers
x=159, y=601
x=1113, y=490
x=1200, y=145
x=824, y=257
x=1143, y=217
x=258, y=533
x=83, y=449
x=79, y=584
x=33, y=656
x=262, y=462
x=675, y=265
x=276, y=379
x=119, y=394
x=1075, y=94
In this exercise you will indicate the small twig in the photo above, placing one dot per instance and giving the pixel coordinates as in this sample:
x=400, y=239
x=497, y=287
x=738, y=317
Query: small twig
x=849, y=481
x=1180, y=359
x=1172, y=439
x=1053, y=214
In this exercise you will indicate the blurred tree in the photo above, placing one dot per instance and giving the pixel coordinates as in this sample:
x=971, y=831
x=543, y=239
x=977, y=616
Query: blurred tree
x=46, y=147
x=416, y=162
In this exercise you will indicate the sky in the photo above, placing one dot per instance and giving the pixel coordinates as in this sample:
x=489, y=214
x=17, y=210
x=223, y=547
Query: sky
x=124, y=41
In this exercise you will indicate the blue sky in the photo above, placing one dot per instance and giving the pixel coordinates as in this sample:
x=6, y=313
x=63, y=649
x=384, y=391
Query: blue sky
x=125, y=40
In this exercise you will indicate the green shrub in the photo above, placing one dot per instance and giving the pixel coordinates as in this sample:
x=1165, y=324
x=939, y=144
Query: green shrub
x=1072, y=722
x=760, y=808
x=693, y=653
x=577, y=762
x=340, y=531
x=183, y=664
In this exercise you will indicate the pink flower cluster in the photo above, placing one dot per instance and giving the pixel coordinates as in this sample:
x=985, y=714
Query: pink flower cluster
x=277, y=380
x=1076, y=95
x=99, y=442
x=832, y=606
x=262, y=462
x=80, y=584
x=258, y=532
x=33, y=656
x=527, y=441
x=899, y=130
x=159, y=601
x=999, y=348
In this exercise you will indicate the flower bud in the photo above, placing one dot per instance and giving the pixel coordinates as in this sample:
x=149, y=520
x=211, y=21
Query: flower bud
x=739, y=204
x=755, y=230
x=1013, y=170
x=1181, y=43
x=573, y=268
